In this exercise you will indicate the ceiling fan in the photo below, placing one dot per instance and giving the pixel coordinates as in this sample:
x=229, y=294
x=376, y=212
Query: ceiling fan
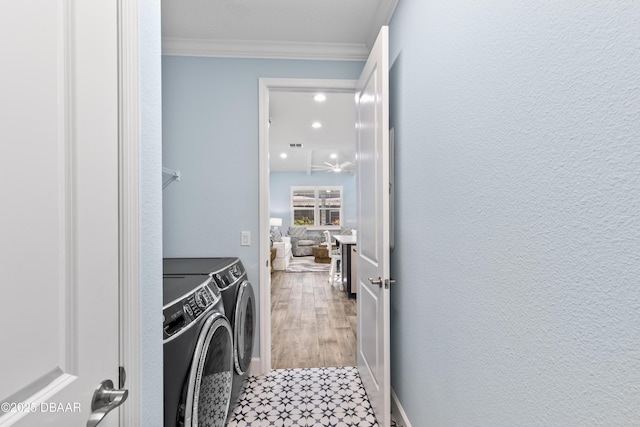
x=335, y=168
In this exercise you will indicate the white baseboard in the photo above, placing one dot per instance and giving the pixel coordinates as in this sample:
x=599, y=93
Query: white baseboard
x=397, y=412
x=255, y=368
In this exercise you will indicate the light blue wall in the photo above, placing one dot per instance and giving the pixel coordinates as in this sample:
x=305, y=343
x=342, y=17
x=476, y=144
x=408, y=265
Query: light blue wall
x=210, y=134
x=518, y=197
x=151, y=211
x=280, y=184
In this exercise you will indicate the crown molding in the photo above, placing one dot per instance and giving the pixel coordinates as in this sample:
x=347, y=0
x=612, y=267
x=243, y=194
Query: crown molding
x=383, y=16
x=264, y=49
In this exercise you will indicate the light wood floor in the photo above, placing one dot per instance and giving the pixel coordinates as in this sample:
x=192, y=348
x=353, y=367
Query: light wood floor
x=312, y=323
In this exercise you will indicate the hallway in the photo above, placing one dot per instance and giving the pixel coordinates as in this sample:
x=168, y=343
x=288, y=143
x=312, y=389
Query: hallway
x=312, y=323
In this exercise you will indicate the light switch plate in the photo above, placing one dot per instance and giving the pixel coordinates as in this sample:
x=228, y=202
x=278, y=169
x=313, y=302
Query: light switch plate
x=245, y=240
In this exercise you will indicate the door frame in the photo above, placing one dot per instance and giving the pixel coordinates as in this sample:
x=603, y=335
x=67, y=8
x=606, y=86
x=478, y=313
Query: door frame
x=265, y=86
x=129, y=212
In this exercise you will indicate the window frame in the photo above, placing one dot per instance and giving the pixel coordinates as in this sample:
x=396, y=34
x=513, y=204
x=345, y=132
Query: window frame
x=317, y=208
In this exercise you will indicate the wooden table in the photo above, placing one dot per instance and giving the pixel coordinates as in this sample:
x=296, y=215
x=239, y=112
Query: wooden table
x=321, y=255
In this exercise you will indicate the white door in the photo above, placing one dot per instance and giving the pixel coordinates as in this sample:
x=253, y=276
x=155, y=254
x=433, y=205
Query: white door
x=372, y=153
x=59, y=209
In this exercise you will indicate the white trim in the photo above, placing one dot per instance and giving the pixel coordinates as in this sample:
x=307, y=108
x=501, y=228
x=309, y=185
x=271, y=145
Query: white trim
x=264, y=86
x=264, y=49
x=398, y=412
x=68, y=253
x=265, y=271
x=255, y=368
x=129, y=206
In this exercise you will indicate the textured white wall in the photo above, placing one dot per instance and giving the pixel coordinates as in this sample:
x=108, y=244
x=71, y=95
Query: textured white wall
x=151, y=207
x=518, y=217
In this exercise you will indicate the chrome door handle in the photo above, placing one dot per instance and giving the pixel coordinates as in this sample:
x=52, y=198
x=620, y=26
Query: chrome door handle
x=105, y=399
x=377, y=281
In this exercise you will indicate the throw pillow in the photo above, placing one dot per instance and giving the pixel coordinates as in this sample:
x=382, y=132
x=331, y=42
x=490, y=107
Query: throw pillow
x=300, y=232
x=276, y=235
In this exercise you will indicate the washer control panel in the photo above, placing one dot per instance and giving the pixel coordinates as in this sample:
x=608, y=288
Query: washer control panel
x=236, y=270
x=228, y=276
x=198, y=302
x=179, y=314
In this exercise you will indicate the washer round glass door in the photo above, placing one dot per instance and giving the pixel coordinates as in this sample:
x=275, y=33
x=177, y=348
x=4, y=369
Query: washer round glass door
x=244, y=327
x=211, y=375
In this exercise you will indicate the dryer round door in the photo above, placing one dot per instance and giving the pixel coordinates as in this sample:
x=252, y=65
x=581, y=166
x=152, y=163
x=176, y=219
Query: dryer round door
x=211, y=375
x=244, y=327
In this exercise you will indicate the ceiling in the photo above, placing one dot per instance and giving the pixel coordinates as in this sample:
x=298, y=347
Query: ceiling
x=300, y=29
x=292, y=115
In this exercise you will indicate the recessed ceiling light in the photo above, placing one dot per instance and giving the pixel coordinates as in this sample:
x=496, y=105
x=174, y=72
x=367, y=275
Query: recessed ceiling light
x=333, y=155
x=283, y=155
x=320, y=97
x=316, y=125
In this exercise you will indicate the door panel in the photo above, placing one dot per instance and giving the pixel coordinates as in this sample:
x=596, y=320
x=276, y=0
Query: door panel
x=369, y=347
x=59, y=224
x=30, y=146
x=367, y=193
x=373, y=228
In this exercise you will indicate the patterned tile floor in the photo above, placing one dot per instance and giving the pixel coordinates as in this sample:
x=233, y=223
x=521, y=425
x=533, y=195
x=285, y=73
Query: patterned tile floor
x=304, y=397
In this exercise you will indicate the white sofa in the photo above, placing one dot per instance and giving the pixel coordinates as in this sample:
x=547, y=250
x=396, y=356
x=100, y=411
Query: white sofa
x=283, y=254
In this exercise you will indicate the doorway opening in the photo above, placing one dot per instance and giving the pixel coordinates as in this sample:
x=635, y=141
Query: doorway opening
x=305, y=320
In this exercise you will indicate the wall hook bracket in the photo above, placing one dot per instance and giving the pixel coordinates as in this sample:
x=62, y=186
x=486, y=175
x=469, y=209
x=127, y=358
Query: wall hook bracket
x=173, y=176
